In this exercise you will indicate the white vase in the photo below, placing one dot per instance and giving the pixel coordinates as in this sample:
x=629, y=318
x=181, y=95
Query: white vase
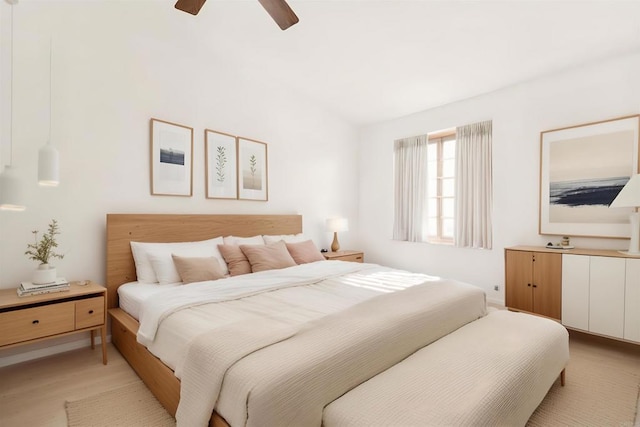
x=44, y=274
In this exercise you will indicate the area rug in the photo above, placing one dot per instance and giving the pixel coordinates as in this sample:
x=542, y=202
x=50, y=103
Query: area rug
x=602, y=389
x=131, y=405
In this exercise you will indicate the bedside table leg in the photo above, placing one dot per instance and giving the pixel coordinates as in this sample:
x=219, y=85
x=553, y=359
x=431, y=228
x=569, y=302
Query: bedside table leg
x=103, y=338
x=93, y=341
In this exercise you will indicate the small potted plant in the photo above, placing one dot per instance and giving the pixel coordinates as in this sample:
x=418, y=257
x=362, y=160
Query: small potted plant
x=42, y=251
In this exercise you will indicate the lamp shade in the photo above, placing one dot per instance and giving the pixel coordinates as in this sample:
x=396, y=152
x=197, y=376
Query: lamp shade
x=337, y=224
x=48, y=166
x=629, y=196
x=10, y=191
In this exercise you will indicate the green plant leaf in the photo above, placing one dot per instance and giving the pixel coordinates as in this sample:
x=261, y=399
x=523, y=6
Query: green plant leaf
x=42, y=251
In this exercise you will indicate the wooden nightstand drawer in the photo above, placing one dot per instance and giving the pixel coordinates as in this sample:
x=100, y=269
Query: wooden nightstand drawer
x=89, y=312
x=352, y=258
x=37, y=322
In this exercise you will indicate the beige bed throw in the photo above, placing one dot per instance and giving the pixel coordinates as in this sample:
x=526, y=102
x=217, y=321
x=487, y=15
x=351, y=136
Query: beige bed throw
x=260, y=372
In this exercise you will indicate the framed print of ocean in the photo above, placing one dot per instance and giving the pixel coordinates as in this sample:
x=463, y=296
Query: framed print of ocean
x=582, y=169
x=171, y=159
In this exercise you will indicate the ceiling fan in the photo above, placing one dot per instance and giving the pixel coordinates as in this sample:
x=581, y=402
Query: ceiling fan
x=278, y=9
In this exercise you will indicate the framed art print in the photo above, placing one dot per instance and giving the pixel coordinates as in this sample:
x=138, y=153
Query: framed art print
x=221, y=165
x=171, y=159
x=252, y=170
x=582, y=170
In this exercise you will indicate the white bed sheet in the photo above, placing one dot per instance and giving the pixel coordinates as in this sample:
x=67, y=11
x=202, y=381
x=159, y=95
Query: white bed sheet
x=291, y=305
x=132, y=294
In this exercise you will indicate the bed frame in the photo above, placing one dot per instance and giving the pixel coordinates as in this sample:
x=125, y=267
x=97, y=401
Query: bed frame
x=124, y=228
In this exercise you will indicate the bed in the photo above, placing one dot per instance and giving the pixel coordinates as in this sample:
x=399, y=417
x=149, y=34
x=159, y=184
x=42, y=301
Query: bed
x=332, y=335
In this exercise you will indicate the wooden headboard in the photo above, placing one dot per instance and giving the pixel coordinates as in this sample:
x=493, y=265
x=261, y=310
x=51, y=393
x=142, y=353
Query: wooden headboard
x=124, y=228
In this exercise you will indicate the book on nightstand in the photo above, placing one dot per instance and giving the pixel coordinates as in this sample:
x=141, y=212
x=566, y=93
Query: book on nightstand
x=28, y=288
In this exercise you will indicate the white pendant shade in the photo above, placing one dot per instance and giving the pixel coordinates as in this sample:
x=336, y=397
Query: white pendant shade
x=48, y=166
x=10, y=188
x=10, y=191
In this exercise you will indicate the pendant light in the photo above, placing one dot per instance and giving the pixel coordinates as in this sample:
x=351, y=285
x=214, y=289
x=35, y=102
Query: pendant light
x=10, y=186
x=48, y=158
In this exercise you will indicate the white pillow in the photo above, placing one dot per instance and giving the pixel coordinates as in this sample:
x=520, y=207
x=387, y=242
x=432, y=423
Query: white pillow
x=144, y=271
x=288, y=238
x=154, y=263
x=237, y=241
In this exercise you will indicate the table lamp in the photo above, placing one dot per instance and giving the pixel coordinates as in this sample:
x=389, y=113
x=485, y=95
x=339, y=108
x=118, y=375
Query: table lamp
x=629, y=197
x=335, y=225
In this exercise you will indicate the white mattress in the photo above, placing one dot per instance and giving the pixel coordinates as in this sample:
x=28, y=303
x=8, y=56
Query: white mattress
x=132, y=294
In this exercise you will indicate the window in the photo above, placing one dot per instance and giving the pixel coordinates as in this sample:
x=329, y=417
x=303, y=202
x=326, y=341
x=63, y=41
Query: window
x=443, y=187
x=441, y=172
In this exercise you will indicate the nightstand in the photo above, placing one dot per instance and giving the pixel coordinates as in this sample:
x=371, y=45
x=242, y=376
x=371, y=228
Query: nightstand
x=353, y=256
x=24, y=320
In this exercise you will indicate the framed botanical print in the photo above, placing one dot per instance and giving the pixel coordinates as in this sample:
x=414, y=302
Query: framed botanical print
x=171, y=159
x=252, y=170
x=582, y=170
x=221, y=165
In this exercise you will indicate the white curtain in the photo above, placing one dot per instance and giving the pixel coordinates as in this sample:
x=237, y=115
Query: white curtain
x=410, y=156
x=474, y=194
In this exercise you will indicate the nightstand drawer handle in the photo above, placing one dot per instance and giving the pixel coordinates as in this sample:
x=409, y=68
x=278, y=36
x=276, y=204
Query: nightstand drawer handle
x=35, y=322
x=90, y=311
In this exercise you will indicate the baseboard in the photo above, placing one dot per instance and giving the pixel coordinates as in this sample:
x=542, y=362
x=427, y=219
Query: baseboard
x=495, y=302
x=48, y=351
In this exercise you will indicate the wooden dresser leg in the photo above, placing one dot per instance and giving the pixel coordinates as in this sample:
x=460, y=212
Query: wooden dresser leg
x=562, y=375
x=93, y=341
x=103, y=338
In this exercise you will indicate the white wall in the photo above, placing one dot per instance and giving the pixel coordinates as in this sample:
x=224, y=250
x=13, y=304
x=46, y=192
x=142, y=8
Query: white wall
x=590, y=93
x=115, y=66
x=5, y=82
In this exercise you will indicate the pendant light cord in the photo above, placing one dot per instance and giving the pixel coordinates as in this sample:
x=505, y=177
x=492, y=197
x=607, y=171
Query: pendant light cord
x=11, y=97
x=50, y=80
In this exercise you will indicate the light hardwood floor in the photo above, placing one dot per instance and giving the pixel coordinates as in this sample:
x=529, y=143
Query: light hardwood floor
x=34, y=393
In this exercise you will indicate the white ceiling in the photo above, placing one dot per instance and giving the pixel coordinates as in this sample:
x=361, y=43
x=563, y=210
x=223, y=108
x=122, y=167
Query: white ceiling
x=371, y=61
x=375, y=60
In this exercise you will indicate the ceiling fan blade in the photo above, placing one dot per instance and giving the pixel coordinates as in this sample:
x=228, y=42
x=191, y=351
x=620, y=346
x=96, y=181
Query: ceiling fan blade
x=280, y=12
x=190, y=6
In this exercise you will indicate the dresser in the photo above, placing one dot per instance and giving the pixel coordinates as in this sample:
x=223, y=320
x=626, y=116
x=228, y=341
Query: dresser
x=595, y=291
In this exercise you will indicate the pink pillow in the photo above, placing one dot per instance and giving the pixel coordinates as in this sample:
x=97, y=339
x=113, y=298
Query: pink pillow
x=268, y=257
x=304, y=252
x=236, y=261
x=197, y=269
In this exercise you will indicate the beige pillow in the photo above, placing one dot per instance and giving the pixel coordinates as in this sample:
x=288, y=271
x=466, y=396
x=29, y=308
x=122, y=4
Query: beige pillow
x=197, y=269
x=236, y=261
x=304, y=252
x=268, y=257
